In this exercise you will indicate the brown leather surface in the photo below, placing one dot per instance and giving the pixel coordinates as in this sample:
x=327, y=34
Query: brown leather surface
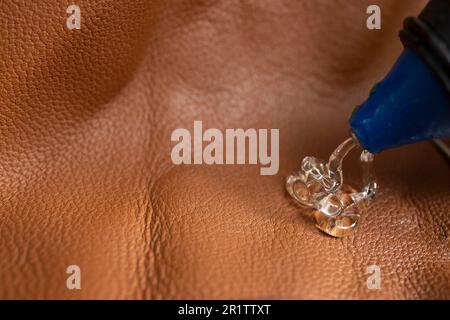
x=86, y=176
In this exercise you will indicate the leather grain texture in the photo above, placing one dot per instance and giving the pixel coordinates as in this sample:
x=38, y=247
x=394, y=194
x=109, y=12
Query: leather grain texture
x=86, y=176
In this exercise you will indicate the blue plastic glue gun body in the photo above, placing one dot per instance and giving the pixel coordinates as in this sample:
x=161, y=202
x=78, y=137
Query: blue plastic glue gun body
x=412, y=103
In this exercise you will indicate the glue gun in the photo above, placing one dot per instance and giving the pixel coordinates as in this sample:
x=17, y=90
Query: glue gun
x=412, y=103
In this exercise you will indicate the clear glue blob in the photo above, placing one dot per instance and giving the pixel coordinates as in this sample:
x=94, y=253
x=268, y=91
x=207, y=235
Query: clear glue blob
x=320, y=185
